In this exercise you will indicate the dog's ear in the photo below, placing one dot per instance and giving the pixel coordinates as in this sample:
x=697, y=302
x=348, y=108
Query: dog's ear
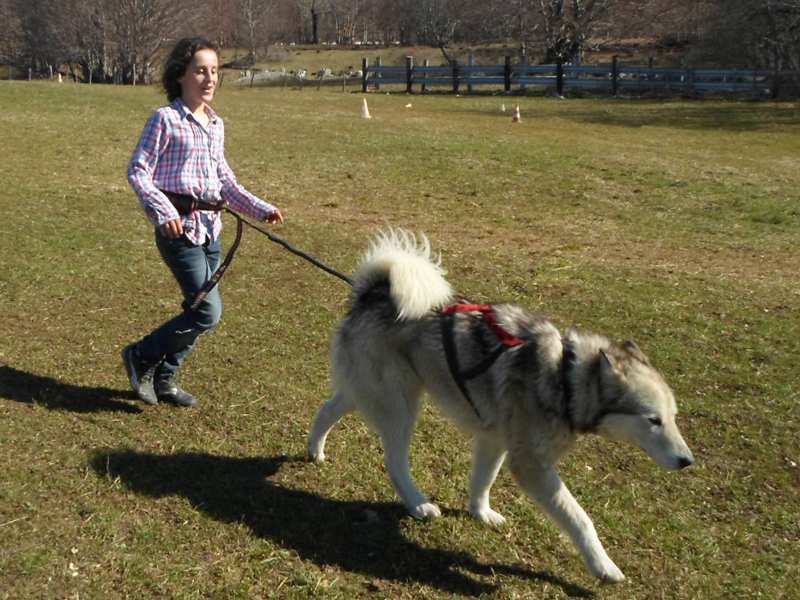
x=610, y=365
x=631, y=348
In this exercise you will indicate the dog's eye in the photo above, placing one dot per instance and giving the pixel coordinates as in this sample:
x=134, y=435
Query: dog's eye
x=655, y=421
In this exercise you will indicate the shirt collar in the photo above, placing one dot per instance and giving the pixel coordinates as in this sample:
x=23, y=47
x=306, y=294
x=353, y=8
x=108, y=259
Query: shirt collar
x=179, y=105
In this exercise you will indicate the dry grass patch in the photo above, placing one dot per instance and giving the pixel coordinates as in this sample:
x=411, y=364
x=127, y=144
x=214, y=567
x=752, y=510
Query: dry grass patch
x=672, y=223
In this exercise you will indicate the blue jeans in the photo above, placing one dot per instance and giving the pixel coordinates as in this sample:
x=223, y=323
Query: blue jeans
x=192, y=266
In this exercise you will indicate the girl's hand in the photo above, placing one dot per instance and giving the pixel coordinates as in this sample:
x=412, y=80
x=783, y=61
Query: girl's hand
x=171, y=229
x=274, y=217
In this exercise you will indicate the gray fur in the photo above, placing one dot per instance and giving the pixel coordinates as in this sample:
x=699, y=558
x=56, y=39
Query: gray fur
x=382, y=362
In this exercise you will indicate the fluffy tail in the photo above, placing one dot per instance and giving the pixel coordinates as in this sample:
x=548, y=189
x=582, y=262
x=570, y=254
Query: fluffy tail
x=416, y=279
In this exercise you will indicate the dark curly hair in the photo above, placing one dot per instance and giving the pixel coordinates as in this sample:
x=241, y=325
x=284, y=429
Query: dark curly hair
x=179, y=59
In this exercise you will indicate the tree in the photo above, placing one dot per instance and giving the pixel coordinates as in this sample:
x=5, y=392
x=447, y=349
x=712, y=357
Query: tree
x=752, y=33
x=252, y=19
x=10, y=37
x=312, y=8
x=568, y=24
x=140, y=30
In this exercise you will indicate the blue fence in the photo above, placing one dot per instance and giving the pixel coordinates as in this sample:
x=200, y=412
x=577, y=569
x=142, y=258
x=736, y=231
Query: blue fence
x=612, y=78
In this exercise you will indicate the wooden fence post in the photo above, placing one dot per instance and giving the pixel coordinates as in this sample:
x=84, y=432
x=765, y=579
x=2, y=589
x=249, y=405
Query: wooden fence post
x=559, y=78
x=426, y=63
x=455, y=76
x=689, y=82
x=776, y=78
x=507, y=74
x=377, y=77
x=409, y=74
x=614, y=75
x=364, y=69
x=470, y=63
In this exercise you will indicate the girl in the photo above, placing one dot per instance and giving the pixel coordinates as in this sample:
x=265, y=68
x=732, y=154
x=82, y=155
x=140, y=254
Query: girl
x=181, y=151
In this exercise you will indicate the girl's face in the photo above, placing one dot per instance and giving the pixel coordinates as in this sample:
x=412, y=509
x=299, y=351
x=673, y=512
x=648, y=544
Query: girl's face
x=199, y=81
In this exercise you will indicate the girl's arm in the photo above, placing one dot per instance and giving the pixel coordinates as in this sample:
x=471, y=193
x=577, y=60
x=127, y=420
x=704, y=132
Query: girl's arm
x=142, y=167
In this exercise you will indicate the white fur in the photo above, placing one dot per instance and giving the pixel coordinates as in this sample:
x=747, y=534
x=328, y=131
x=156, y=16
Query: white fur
x=389, y=348
x=417, y=280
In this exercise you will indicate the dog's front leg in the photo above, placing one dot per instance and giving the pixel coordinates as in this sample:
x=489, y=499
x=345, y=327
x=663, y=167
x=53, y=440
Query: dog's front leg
x=543, y=485
x=487, y=458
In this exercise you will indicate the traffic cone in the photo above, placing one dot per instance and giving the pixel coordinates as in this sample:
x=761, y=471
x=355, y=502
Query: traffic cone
x=503, y=108
x=517, y=118
x=365, y=110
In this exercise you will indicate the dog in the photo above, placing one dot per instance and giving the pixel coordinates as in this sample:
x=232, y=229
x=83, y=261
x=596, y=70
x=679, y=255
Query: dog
x=525, y=391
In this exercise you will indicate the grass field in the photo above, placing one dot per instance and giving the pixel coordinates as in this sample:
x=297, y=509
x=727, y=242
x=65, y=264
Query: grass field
x=675, y=224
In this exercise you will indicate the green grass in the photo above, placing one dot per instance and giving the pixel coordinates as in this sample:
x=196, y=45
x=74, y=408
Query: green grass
x=671, y=223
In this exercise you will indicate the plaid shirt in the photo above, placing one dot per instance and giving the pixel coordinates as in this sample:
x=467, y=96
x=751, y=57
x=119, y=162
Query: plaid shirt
x=177, y=154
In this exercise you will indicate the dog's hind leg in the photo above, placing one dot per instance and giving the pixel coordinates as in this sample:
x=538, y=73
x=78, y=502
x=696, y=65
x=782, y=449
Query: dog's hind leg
x=328, y=415
x=393, y=417
x=487, y=458
x=542, y=483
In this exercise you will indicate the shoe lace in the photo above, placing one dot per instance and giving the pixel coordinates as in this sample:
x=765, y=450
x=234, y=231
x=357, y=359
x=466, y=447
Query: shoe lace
x=148, y=375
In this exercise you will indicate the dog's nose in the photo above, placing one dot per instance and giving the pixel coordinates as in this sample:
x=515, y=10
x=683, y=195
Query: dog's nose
x=685, y=461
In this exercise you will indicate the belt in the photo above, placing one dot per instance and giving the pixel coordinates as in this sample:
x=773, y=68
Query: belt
x=185, y=204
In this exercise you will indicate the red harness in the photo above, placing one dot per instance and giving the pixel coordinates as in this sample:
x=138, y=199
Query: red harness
x=505, y=339
x=489, y=316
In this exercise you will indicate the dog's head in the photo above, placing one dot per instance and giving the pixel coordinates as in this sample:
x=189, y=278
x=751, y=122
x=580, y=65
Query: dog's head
x=638, y=406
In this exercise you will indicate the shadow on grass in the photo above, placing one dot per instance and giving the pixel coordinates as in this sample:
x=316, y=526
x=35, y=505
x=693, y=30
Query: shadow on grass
x=56, y=395
x=679, y=114
x=360, y=537
x=733, y=116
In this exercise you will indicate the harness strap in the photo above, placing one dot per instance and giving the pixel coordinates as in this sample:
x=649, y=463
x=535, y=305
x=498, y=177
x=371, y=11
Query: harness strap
x=567, y=363
x=505, y=341
x=489, y=316
x=447, y=324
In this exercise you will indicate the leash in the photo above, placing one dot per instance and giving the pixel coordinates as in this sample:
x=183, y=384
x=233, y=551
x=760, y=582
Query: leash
x=304, y=255
x=186, y=204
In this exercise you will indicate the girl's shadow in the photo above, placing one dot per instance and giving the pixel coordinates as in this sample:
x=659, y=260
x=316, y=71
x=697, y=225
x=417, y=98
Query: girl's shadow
x=360, y=537
x=56, y=395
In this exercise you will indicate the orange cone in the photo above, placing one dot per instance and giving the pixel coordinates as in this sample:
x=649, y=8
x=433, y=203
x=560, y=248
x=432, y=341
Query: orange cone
x=517, y=118
x=365, y=110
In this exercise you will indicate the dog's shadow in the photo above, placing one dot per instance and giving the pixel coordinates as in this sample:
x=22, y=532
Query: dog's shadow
x=53, y=394
x=360, y=537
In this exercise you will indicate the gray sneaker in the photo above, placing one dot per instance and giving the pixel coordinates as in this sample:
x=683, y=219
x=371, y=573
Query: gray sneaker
x=168, y=390
x=140, y=374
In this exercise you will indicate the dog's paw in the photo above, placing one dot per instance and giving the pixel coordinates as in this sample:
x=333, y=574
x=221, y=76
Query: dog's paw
x=427, y=510
x=317, y=456
x=488, y=516
x=609, y=573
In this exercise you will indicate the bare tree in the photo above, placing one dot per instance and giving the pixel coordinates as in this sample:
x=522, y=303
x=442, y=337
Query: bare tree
x=568, y=24
x=10, y=37
x=221, y=21
x=311, y=9
x=141, y=28
x=252, y=19
x=754, y=33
